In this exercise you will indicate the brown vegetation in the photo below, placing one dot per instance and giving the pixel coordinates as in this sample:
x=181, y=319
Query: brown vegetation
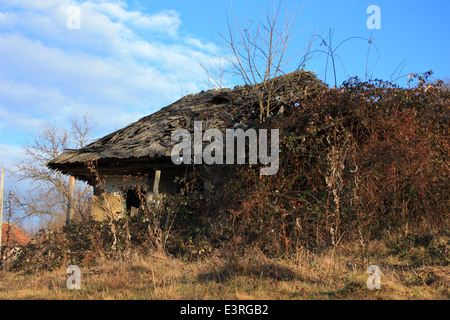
x=251, y=275
x=363, y=180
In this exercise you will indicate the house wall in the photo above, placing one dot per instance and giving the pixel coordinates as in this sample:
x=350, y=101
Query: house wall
x=112, y=198
x=119, y=184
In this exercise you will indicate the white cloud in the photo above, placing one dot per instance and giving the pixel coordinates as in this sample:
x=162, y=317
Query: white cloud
x=204, y=46
x=167, y=21
x=121, y=65
x=164, y=22
x=7, y=19
x=9, y=154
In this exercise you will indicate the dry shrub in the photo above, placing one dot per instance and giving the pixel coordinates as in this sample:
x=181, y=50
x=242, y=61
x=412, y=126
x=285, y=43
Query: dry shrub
x=366, y=161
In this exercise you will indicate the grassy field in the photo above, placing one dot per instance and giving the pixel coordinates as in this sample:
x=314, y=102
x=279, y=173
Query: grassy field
x=250, y=275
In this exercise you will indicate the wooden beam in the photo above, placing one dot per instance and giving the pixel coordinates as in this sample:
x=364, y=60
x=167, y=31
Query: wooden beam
x=156, y=183
x=70, y=204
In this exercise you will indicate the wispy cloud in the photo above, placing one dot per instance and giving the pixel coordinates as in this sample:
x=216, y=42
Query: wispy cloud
x=122, y=64
x=9, y=154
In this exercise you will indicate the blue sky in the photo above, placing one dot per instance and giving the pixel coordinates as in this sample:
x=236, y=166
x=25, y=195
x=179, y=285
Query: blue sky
x=130, y=58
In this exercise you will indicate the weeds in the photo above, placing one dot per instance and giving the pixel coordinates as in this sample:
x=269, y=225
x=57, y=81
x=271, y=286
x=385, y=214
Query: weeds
x=251, y=275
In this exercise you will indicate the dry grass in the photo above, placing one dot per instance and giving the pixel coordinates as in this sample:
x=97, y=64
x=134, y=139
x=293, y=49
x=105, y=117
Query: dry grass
x=250, y=275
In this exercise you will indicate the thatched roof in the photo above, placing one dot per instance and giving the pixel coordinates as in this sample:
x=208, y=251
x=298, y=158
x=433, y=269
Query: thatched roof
x=146, y=143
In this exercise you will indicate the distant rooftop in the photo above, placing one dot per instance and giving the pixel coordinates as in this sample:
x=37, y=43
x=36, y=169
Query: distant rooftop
x=13, y=236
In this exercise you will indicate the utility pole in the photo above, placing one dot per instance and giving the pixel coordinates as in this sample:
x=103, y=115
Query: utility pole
x=1, y=212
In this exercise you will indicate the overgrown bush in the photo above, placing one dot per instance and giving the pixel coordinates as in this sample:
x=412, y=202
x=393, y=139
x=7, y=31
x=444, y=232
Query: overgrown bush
x=362, y=162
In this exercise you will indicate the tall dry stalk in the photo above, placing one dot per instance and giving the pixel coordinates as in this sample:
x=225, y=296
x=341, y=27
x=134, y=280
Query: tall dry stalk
x=334, y=180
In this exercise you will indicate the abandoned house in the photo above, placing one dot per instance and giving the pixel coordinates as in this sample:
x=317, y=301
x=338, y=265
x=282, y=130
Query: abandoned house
x=139, y=155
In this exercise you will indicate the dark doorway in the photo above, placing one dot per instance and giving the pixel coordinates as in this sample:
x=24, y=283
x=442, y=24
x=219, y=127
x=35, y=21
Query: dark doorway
x=133, y=199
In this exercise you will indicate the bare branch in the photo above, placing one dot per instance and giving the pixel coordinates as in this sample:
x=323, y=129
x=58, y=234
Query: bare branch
x=47, y=194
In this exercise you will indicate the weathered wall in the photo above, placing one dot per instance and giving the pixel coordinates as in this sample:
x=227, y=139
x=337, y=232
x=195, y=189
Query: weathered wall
x=106, y=205
x=111, y=198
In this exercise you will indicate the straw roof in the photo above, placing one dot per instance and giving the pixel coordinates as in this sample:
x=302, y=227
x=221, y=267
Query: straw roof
x=147, y=143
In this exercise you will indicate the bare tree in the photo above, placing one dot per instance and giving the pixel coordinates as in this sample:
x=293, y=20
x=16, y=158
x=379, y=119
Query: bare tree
x=48, y=194
x=257, y=50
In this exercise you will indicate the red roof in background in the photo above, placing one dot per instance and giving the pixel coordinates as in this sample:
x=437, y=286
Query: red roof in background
x=13, y=236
